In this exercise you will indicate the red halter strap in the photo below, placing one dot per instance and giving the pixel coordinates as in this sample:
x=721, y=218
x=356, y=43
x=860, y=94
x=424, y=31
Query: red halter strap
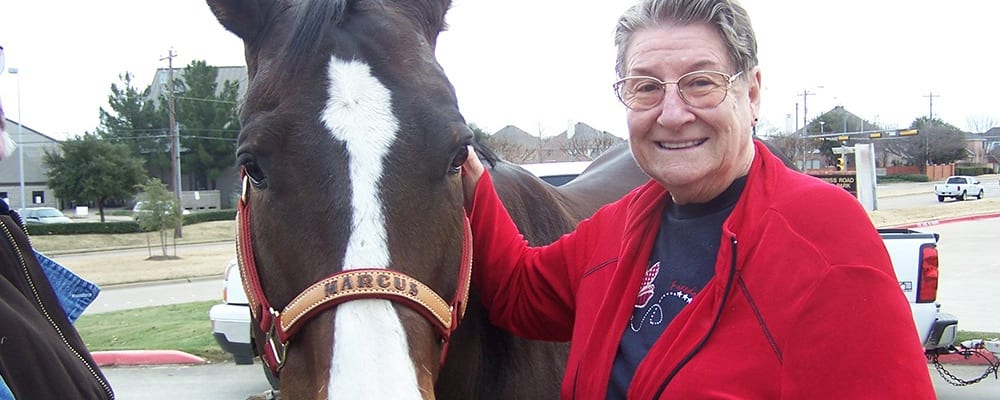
x=281, y=326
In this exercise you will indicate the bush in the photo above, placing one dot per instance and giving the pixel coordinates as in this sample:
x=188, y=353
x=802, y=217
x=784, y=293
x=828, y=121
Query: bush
x=902, y=178
x=79, y=228
x=973, y=171
x=205, y=216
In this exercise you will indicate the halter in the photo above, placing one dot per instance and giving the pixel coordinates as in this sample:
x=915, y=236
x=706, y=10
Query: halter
x=281, y=326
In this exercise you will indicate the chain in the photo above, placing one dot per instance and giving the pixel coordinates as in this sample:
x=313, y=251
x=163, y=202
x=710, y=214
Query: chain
x=956, y=381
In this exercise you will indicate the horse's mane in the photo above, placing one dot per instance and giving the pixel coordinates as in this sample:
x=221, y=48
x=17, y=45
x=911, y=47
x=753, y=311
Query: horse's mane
x=486, y=154
x=314, y=18
x=317, y=16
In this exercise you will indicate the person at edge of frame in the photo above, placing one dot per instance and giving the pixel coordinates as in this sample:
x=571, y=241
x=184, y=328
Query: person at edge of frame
x=41, y=354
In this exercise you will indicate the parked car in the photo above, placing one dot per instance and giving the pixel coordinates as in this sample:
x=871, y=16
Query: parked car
x=43, y=215
x=231, y=318
x=959, y=187
x=231, y=321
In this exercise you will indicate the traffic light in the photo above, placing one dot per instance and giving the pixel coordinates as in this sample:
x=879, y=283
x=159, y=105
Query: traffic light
x=840, y=163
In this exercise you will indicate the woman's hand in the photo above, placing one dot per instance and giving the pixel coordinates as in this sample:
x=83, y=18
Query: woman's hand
x=472, y=170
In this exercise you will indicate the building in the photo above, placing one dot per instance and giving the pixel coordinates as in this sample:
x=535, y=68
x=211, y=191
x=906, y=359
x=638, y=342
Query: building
x=32, y=146
x=228, y=184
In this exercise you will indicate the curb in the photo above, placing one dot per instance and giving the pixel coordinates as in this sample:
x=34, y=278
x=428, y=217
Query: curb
x=978, y=357
x=144, y=357
x=947, y=220
x=162, y=282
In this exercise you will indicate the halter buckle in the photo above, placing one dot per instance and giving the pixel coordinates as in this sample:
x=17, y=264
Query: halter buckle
x=274, y=347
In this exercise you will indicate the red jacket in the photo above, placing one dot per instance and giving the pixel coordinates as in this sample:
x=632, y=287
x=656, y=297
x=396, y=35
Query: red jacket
x=804, y=303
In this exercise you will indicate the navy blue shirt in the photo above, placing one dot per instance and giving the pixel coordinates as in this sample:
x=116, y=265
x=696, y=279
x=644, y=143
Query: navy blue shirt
x=681, y=263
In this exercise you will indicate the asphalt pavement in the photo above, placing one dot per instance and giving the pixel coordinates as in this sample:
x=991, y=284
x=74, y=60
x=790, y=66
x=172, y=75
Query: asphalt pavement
x=149, y=294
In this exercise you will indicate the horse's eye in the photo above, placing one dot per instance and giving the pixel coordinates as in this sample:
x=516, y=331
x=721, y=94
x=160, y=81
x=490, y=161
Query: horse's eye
x=456, y=163
x=254, y=172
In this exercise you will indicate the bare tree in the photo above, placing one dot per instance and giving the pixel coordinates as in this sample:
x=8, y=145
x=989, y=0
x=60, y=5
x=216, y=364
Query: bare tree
x=586, y=149
x=981, y=123
x=513, y=152
x=796, y=148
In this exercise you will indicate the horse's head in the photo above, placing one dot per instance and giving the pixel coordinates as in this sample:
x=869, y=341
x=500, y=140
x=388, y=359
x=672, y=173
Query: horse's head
x=351, y=144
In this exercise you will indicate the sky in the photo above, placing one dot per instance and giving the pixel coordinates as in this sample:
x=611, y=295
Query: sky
x=541, y=65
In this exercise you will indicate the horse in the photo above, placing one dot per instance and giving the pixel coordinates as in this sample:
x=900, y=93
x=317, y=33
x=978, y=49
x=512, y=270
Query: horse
x=352, y=237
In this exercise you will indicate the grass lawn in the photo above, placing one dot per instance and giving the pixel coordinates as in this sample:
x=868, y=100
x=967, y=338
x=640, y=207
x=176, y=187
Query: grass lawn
x=183, y=327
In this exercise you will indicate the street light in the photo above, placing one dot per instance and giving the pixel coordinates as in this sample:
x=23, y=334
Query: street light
x=20, y=137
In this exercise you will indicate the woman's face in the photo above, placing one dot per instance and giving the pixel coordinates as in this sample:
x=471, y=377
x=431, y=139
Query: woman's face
x=695, y=153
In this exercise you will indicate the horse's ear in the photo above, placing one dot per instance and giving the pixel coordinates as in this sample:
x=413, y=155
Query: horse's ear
x=245, y=18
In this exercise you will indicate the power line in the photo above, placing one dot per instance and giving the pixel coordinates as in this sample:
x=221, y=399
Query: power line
x=206, y=100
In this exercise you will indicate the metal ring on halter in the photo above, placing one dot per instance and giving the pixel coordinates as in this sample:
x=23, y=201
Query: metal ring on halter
x=243, y=191
x=277, y=347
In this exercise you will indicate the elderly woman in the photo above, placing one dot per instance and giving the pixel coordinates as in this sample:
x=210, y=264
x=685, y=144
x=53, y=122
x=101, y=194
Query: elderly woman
x=722, y=276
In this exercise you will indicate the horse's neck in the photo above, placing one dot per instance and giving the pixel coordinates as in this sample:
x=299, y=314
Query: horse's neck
x=608, y=178
x=541, y=212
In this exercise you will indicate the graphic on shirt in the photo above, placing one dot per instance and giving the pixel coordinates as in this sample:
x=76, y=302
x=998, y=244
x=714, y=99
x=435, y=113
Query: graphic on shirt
x=649, y=312
x=647, y=288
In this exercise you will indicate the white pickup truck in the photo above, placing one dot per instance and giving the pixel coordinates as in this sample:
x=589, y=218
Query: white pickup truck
x=915, y=259
x=959, y=187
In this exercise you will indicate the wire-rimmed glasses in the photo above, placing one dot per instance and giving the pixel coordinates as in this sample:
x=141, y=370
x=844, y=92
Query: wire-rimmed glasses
x=699, y=89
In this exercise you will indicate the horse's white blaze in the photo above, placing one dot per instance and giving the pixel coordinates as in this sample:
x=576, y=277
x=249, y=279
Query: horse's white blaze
x=370, y=354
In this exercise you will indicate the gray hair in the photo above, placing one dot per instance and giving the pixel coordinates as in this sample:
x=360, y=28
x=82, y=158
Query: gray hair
x=727, y=16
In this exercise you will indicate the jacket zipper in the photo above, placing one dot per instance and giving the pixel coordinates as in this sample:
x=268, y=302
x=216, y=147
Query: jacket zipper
x=718, y=315
x=41, y=305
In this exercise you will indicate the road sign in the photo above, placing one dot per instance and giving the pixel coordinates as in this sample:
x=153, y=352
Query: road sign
x=843, y=150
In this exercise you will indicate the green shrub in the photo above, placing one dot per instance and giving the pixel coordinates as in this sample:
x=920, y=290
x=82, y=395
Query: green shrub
x=902, y=178
x=84, y=227
x=111, y=227
x=206, y=216
x=973, y=171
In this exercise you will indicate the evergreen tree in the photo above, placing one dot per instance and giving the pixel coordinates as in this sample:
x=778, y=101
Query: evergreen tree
x=208, y=124
x=135, y=122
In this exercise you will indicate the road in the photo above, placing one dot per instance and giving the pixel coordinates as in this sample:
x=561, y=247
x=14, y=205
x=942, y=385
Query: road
x=923, y=195
x=123, y=297
x=969, y=272
x=226, y=381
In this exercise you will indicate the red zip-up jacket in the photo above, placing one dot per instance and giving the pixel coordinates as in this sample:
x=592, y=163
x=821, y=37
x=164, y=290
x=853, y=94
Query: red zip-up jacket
x=804, y=303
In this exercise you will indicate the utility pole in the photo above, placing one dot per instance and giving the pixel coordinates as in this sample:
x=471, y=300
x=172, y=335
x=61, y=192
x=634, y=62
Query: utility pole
x=805, y=110
x=931, y=96
x=175, y=145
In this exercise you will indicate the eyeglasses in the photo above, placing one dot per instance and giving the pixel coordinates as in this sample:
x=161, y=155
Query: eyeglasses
x=699, y=89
